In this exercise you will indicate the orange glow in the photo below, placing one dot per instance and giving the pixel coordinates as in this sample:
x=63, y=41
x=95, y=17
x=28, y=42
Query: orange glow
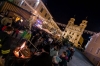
x=23, y=45
x=18, y=52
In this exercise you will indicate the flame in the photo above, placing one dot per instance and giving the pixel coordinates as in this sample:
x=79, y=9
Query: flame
x=23, y=45
x=18, y=49
x=16, y=53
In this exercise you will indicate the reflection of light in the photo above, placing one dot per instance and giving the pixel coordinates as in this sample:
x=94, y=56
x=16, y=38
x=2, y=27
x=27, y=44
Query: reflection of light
x=22, y=2
x=39, y=22
x=58, y=35
x=35, y=12
x=21, y=20
x=38, y=1
x=45, y=22
x=39, y=26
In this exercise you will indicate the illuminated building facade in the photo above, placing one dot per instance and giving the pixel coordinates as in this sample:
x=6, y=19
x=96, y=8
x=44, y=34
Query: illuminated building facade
x=92, y=49
x=13, y=10
x=74, y=32
x=38, y=8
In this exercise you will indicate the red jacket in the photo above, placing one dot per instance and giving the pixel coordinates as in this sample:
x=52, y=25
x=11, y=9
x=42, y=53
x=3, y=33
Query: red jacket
x=4, y=28
x=17, y=31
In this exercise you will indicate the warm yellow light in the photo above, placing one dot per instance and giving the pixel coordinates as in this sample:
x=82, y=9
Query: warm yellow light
x=17, y=18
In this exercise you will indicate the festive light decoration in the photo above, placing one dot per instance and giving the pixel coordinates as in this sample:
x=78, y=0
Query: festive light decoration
x=60, y=24
x=85, y=31
x=39, y=16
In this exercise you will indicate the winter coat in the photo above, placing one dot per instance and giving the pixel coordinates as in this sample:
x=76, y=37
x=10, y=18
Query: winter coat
x=6, y=20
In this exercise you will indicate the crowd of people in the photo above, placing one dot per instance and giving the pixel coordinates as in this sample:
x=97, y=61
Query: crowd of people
x=45, y=48
x=61, y=59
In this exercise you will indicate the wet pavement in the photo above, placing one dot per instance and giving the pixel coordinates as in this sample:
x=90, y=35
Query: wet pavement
x=78, y=59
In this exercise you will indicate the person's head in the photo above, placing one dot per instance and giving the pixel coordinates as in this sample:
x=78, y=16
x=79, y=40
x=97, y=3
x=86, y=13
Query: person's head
x=8, y=24
x=71, y=48
x=56, y=47
x=29, y=32
x=10, y=17
x=8, y=30
x=46, y=48
x=64, y=54
x=67, y=49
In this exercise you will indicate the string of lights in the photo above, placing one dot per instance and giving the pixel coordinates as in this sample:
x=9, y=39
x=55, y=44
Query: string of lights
x=39, y=16
x=85, y=31
x=60, y=24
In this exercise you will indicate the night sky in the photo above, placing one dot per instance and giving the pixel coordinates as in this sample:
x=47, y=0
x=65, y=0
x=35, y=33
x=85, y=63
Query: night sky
x=63, y=10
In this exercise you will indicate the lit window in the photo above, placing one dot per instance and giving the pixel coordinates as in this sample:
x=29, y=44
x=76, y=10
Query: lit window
x=41, y=10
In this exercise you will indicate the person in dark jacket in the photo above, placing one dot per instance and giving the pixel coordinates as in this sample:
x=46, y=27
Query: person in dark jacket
x=64, y=59
x=43, y=59
x=5, y=41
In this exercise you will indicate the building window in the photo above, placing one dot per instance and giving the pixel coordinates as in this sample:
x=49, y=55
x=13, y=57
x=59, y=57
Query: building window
x=49, y=18
x=45, y=14
x=17, y=2
x=65, y=30
x=91, y=49
x=96, y=38
x=76, y=39
x=98, y=51
x=82, y=25
x=41, y=10
x=33, y=5
x=77, y=35
x=30, y=3
x=70, y=37
x=73, y=34
x=25, y=4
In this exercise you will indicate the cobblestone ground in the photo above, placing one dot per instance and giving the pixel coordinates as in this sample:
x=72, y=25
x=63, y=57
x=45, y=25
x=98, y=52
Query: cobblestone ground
x=78, y=59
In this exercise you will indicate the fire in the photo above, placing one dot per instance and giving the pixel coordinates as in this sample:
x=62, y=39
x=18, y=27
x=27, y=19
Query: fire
x=22, y=51
x=23, y=45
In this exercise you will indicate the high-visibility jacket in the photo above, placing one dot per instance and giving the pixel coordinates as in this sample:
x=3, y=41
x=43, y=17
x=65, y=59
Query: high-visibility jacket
x=5, y=51
x=5, y=43
x=2, y=38
x=27, y=36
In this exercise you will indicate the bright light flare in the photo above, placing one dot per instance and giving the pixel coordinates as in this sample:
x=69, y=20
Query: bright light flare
x=23, y=45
